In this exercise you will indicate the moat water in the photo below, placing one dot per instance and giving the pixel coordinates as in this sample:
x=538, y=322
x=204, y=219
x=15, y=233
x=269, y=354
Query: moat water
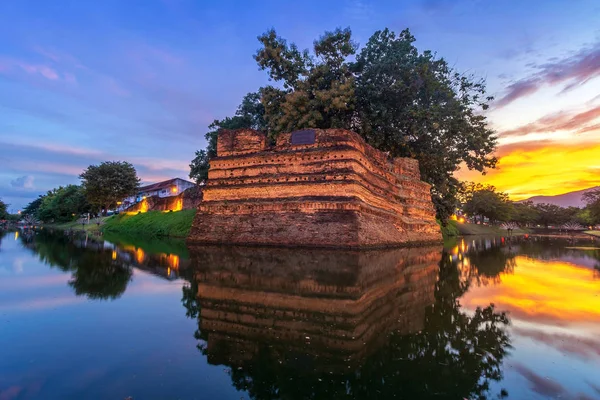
x=83, y=318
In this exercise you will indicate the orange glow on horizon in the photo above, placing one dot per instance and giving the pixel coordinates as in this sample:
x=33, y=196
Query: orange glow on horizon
x=549, y=169
x=543, y=290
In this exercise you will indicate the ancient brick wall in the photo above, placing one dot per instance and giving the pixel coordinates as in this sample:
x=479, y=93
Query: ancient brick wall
x=312, y=188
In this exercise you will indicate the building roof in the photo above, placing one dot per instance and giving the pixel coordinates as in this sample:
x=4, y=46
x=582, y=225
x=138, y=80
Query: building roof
x=161, y=185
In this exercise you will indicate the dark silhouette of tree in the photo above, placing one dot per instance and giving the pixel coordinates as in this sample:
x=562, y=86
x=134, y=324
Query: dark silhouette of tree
x=94, y=272
x=99, y=277
x=106, y=184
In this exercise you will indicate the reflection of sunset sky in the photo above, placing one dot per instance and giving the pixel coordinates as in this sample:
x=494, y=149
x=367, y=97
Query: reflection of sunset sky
x=554, y=307
x=553, y=291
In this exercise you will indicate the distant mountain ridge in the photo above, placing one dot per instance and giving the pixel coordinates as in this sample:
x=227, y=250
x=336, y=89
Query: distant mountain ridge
x=570, y=199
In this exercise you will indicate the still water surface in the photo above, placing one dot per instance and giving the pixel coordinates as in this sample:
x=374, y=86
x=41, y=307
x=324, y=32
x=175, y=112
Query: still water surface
x=488, y=318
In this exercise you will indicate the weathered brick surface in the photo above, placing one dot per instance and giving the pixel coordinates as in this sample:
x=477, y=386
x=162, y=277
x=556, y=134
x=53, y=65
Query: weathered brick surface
x=335, y=192
x=346, y=302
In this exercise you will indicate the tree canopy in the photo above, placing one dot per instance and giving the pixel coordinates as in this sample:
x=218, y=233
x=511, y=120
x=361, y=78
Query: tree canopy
x=108, y=183
x=3, y=210
x=592, y=198
x=485, y=201
x=402, y=101
x=59, y=205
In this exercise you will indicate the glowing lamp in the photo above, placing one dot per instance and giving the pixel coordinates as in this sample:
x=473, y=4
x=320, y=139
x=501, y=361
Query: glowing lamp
x=174, y=190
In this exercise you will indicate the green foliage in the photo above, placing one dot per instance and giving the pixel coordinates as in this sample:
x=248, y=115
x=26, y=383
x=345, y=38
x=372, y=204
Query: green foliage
x=199, y=167
x=402, y=101
x=33, y=207
x=413, y=104
x=62, y=204
x=450, y=229
x=108, y=183
x=3, y=210
x=318, y=89
x=13, y=217
x=487, y=202
x=151, y=224
x=525, y=214
x=551, y=214
x=592, y=198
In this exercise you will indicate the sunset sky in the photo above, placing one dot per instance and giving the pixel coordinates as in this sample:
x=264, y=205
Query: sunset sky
x=82, y=82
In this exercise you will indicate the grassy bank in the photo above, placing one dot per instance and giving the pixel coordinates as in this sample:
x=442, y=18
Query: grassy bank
x=77, y=226
x=474, y=229
x=593, y=233
x=450, y=230
x=151, y=224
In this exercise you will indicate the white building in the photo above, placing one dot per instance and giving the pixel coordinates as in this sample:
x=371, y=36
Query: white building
x=172, y=187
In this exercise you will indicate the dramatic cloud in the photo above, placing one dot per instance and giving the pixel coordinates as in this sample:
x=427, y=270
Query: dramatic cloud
x=574, y=71
x=540, y=384
x=542, y=167
x=561, y=121
x=24, y=182
x=585, y=348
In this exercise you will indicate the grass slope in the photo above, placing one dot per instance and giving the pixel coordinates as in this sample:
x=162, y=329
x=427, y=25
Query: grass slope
x=450, y=230
x=475, y=229
x=593, y=233
x=76, y=225
x=151, y=224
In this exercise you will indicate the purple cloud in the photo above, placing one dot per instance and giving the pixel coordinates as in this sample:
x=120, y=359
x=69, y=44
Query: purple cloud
x=574, y=70
x=23, y=182
x=562, y=121
x=539, y=384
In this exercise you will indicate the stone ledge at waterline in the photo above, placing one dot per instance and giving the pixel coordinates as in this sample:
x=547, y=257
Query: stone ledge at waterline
x=316, y=188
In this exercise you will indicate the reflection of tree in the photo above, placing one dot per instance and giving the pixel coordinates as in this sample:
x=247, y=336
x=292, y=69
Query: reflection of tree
x=98, y=276
x=457, y=354
x=94, y=272
x=486, y=264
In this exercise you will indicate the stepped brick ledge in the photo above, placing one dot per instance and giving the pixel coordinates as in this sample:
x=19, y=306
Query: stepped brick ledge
x=316, y=188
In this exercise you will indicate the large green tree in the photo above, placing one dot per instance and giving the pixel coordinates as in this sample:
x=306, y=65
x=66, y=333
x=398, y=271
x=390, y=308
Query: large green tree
x=61, y=204
x=489, y=203
x=402, y=101
x=413, y=104
x=318, y=89
x=3, y=210
x=108, y=183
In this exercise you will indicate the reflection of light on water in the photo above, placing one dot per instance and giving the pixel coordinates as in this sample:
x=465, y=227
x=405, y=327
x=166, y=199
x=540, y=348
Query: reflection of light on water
x=16, y=235
x=139, y=255
x=173, y=261
x=114, y=254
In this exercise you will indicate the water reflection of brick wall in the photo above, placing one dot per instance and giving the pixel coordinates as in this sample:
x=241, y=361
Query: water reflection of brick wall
x=332, y=190
x=328, y=303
